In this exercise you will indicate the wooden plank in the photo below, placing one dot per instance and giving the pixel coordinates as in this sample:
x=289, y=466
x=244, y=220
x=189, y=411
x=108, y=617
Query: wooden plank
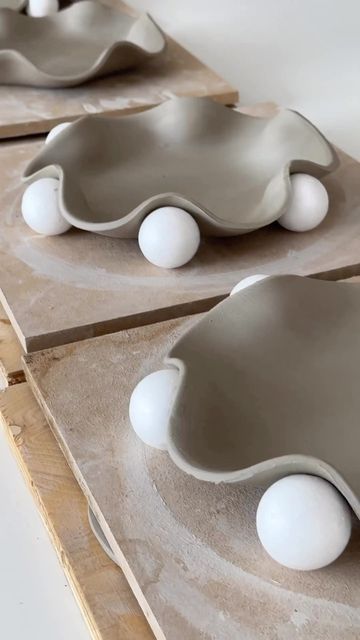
x=101, y=589
x=28, y=110
x=188, y=548
x=66, y=288
x=11, y=368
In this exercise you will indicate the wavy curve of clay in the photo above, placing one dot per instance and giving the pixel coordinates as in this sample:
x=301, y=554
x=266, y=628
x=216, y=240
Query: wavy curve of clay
x=82, y=42
x=269, y=386
x=229, y=170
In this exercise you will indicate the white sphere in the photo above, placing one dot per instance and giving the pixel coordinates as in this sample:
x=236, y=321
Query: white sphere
x=40, y=208
x=169, y=237
x=247, y=282
x=303, y=522
x=308, y=206
x=41, y=8
x=56, y=130
x=150, y=406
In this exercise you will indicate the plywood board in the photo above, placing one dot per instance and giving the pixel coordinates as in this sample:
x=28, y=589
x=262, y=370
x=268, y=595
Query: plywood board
x=11, y=366
x=100, y=587
x=28, y=110
x=189, y=549
x=66, y=288
x=11, y=369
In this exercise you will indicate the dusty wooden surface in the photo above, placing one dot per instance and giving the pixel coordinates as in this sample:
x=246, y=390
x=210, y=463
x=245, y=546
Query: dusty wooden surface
x=189, y=549
x=11, y=368
x=79, y=285
x=28, y=110
x=100, y=588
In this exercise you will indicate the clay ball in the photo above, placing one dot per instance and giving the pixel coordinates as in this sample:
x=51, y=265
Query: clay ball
x=169, y=237
x=303, y=522
x=56, y=130
x=247, y=282
x=40, y=208
x=41, y=8
x=308, y=206
x=150, y=406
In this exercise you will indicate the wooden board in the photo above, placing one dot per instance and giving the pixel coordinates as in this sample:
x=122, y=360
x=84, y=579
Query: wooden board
x=189, y=549
x=11, y=368
x=28, y=110
x=66, y=288
x=100, y=588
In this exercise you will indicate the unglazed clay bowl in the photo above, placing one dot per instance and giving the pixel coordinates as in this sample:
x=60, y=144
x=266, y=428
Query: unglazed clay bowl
x=84, y=41
x=269, y=386
x=229, y=170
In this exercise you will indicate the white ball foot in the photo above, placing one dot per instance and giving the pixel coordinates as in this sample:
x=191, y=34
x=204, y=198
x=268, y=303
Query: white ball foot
x=303, y=522
x=56, y=130
x=169, y=237
x=150, y=406
x=40, y=208
x=41, y=8
x=247, y=282
x=308, y=205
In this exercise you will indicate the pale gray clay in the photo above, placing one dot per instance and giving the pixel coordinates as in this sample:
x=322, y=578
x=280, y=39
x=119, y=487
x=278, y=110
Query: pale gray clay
x=229, y=170
x=84, y=41
x=269, y=386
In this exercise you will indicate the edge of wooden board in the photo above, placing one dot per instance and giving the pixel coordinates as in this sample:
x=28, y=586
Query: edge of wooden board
x=122, y=561
x=161, y=314
x=11, y=368
x=121, y=556
x=18, y=411
x=113, y=613
x=227, y=95
x=36, y=127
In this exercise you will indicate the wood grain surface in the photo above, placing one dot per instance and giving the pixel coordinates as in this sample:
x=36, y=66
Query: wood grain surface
x=189, y=549
x=29, y=110
x=100, y=587
x=66, y=288
x=11, y=368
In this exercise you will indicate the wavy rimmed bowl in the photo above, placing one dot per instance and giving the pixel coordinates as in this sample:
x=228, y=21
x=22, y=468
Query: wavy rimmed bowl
x=229, y=170
x=269, y=386
x=82, y=42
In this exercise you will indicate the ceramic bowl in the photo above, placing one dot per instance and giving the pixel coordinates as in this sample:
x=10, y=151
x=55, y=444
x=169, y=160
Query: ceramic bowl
x=229, y=170
x=269, y=386
x=84, y=41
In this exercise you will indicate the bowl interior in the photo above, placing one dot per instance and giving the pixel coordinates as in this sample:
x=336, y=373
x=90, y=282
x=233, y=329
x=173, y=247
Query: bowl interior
x=235, y=167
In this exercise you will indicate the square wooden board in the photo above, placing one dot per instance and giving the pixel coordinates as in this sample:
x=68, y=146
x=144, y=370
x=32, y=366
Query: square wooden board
x=100, y=588
x=29, y=110
x=66, y=288
x=189, y=549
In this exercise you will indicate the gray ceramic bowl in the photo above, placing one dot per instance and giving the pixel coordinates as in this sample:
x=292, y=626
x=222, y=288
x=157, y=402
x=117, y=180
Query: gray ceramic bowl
x=269, y=386
x=229, y=170
x=84, y=41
